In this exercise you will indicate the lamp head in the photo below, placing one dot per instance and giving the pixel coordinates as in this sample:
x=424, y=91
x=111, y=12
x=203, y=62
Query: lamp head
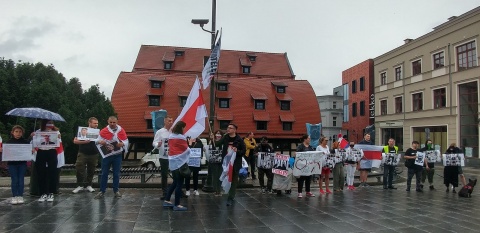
x=200, y=22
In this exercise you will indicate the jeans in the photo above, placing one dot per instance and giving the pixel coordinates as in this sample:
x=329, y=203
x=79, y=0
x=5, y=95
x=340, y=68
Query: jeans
x=428, y=173
x=17, y=174
x=417, y=171
x=268, y=173
x=164, y=174
x=306, y=180
x=388, y=171
x=338, y=176
x=351, y=173
x=88, y=161
x=216, y=169
x=176, y=186
x=194, y=176
x=46, y=167
x=115, y=161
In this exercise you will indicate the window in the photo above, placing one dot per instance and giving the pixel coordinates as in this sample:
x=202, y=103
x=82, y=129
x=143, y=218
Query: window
x=383, y=107
x=261, y=125
x=252, y=57
x=284, y=105
x=362, y=84
x=179, y=53
x=287, y=126
x=280, y=89
x=224, y=103
x=222, y=87
x=183, y=101
x=417, y=101
x=416, y=67
x=153, y=100
x=334, y=105
x=223, y=124
x=438, y=60
x=149, y=124
x=156, y=84
x=205, y=60
x=334, y=121
x=398, y=105
x=398, y=73
x=167, y=65
x=354, y=86
x=439, y=98
x=466, y=56
x=354, y=109
x=246, y=69
x=260, y=104
x=383, y=78
x=362, y=108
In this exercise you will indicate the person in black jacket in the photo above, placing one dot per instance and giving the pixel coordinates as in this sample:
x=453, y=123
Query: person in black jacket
x=17, y=169
x=265, y=147
x=232, y=140
x=450, y=173
x=194, y=143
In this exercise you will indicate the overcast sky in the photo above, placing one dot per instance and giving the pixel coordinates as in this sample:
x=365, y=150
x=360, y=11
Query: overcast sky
x=96, y=40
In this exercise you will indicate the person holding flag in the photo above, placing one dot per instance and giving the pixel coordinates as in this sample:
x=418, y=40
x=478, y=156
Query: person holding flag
x=364, y=165
x=231, y=141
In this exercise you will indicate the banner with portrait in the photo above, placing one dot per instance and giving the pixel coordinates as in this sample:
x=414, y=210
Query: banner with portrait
x=265, y=160
x=340, y=155
x=195, y=157
x=87, y=134
x=453, y=160
x=329, y=160
x=17, y=152
x=308, y=163
x=110, y=148
x=433, y=156
x=391, y=159
x=215, y=156
x=354, y=155
x=280, y=164
x=46, y=139
x=420, y=160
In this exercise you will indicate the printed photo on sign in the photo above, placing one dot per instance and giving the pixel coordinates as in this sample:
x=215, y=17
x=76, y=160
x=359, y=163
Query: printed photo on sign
x=420, y=159
x=280, y=164
x=110, y=148
x=330, y=160
x=391, y=159
x=341, y=155
x=195, y=157
x=46, y=139
x=215, y=156
x=17, y=152
x=354, y=155
x=453, y=160
x=86, y=133
x=432, y=156
x=265, y=160
x=308, y=163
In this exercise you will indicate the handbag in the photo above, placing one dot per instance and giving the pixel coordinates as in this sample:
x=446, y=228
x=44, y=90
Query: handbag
x=184, y=170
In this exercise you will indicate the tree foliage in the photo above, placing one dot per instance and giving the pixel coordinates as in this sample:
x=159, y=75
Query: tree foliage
x=37, y=85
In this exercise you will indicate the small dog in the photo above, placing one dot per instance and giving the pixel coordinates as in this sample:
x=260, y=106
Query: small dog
x=467, y=190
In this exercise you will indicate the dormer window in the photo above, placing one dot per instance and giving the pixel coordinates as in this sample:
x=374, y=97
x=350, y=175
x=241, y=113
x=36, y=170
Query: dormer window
x=280, y=89
x=179, y=53
x=167, y=65
x=156, y=84
x=252, y=56
x=222, y=87
x=246, y=69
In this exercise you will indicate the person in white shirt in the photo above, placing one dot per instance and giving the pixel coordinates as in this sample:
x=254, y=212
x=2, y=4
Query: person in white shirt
x=160, y=142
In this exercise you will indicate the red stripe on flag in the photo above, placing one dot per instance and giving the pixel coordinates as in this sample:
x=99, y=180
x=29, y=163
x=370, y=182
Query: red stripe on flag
x=230, y=172
x=372, y=155
x=190, y=116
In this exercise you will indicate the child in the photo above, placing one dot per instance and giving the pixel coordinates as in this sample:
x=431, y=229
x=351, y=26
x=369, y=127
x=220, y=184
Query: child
x=17, y=169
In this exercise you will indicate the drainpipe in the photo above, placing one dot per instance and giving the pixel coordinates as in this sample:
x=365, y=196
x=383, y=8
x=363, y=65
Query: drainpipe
x=450, y=78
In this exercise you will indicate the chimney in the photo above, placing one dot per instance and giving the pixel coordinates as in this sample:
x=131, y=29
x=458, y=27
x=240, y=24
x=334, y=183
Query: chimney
x=408, y=40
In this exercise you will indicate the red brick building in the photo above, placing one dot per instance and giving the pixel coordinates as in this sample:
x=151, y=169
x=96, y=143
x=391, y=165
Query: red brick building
x=255, y=90
x=358, y=90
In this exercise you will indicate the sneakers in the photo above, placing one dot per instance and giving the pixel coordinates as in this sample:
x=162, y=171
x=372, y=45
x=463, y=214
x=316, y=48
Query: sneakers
x=229, y=202
x=78, y=189
x=310, y=194
x=90, y=189
x=50, y=197
x=322, y=192
x=328, y=191
x=118, y=195
x=14, y=201
x=167, y=204
x=43, y=198
x=187, y=193
x=20, y=200
x=196, y=193
x=299, y=195
x=179, y=208
x=99, y=195
x=264, y=191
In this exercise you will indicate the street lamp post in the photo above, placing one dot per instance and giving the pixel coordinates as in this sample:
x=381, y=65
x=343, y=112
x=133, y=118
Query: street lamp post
x=201, y=23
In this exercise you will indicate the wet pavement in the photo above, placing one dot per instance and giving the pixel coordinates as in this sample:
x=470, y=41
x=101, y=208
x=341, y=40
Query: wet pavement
x=369, y=209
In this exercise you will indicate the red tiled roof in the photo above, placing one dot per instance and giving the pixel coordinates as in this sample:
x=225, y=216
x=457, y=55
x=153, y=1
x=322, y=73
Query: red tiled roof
x=147, y=115
x=222, y=81
x=151, y=57
x=223, y=95
x=183, y=93
x=283, y=96
x=245, y=61
x=224, y=116
x=156, y=78
x=261, y=116
x=279, y=84
x=287, y=117
x=259, y=96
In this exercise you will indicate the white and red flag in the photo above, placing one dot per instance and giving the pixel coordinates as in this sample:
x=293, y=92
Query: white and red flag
x=178, y=151
x=342, y=142
x=227, y=174
x=211, y=66
x=372, y=155
x=194, y=112
x=60, y=155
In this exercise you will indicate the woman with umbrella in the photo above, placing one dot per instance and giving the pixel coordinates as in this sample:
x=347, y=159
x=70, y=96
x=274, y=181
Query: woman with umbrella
x=46, y=163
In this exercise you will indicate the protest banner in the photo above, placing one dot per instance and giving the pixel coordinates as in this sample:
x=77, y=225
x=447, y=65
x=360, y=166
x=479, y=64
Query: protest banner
x=391, y=159
x=195, y=157
x=85, y=133
x=453, y=160
x=420, y=160
x=17, y=152
x=46, y=139
x=110, y=148
x=280, y=164
x=433, y=156
x=215, y=156
x=354, y=155
x=308, y=163
x=265, y=160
